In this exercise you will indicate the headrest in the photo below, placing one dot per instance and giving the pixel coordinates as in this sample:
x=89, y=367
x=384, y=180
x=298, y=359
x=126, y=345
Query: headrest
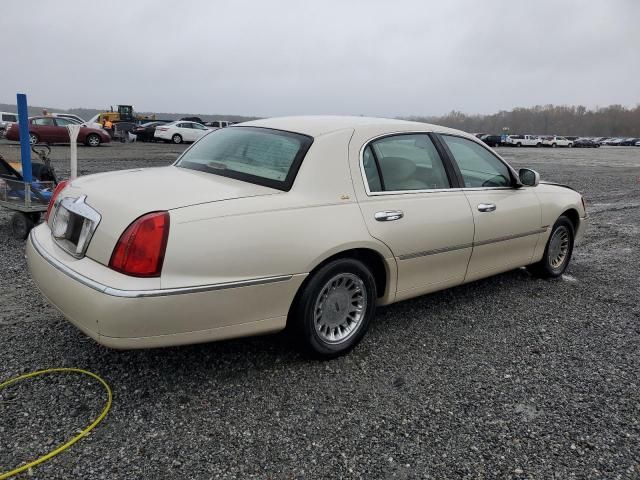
x=397, y=169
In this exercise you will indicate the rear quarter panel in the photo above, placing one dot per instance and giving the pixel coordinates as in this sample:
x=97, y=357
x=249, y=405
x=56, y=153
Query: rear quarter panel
x=283, y=234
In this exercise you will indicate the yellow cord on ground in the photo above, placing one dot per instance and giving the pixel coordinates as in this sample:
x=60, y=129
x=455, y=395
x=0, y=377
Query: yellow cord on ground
x=63, y=447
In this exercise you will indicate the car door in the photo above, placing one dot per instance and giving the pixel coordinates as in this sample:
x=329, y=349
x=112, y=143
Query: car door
x=62, y=132
x=45, y=129
x=411, y=202
x=199, y=131
x=507, y=219
x=190, y=132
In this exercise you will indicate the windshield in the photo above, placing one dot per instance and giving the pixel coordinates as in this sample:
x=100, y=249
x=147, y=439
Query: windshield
x=257, y=155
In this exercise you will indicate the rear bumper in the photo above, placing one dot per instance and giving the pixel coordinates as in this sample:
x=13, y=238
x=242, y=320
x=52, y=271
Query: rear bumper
x=163, y=317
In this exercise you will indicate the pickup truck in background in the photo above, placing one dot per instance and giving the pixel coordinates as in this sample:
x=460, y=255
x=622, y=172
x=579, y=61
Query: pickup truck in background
x=524, y=141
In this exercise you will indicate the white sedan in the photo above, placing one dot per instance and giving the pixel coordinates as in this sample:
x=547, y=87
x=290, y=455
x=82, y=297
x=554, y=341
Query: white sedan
x=181, y=131
x=305, y=222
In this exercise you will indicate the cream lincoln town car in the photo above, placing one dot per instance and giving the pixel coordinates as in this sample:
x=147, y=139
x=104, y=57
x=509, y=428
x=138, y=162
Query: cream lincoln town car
x=301, y=222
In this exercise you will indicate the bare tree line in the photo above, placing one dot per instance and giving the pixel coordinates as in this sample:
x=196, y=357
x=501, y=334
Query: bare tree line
x=611, y=121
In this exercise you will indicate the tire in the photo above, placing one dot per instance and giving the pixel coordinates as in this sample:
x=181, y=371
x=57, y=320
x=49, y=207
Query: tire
x=21, y=225
x=539, y=145
x=553, y=145
x=570, y=145
x=549, y=267
x=93, y=140
x=518, y=144
x=177, y=139
x=33, y=139
x=326, y=307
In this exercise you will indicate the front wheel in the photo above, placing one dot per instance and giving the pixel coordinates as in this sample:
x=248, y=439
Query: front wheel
x=334, y=308
x=33, y=139
x=518, y=144
x=539, y=145
x=570, y=145
x=558, y=251
x=553, y=145
x=176, y=139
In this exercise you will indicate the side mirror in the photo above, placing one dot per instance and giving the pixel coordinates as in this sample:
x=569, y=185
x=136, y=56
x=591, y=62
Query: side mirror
x=529, y=177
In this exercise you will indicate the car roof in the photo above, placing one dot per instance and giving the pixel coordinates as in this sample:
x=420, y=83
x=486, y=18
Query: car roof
x=317, y=125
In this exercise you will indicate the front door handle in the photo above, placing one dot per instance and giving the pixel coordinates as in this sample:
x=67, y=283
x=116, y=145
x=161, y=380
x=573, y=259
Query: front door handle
x=389, y=215
x=486, y=207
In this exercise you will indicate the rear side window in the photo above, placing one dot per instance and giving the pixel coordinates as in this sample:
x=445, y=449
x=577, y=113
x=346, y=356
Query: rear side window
x=479, y=167
x=9, y=118
x=403, y=163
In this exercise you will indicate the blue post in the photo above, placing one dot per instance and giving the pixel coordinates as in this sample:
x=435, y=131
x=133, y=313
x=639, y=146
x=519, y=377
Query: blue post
x=25, y=148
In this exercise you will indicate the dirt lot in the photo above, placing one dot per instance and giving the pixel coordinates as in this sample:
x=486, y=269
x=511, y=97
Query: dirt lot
x=508, y=377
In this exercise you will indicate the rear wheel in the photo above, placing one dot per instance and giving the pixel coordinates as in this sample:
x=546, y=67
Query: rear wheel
x=557, y=253
x=334, y=308
x=570, y=145
x=33, y=139
x=518, y=144
x=93, y=140
x=176, y=138
x=539, y=145
x=553, y=145
x=21, y=224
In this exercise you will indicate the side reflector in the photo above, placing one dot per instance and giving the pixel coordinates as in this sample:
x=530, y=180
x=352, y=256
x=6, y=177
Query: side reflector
x=140, y=249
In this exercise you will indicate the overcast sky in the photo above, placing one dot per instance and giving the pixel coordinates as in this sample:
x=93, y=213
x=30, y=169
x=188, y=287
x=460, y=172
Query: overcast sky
x=271, y=57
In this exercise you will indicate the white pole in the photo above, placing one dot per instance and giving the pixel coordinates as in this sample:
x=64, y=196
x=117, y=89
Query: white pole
x=74, y=130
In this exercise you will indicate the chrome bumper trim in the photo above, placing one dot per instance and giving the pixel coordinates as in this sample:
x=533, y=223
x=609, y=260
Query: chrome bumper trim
x=160, y=292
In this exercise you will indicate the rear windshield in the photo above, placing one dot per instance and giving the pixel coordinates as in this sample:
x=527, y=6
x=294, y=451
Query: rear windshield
x=257, y=155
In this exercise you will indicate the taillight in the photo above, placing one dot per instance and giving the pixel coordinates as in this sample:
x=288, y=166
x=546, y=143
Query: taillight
x=140, y=249
x=56, y=192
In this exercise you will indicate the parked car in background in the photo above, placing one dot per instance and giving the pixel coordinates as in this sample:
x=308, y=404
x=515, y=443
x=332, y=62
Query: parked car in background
x=305, y=222
x=613, y=141
x=585, y=143
x=556, y=141
x=629, y=142
x=146, y=131
x=6, y=119
x=524, y=141
x=178, y=132
x=492, y=140
x=51, y=129
x=638, y=143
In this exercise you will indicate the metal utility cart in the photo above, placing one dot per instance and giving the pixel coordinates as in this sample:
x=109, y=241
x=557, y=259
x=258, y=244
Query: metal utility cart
x=27, y=200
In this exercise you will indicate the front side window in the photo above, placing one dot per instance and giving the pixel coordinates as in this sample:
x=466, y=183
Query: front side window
x=404, y=162
x=258, y=155
x=479, y=167
x=63, y=122
x=9, y=118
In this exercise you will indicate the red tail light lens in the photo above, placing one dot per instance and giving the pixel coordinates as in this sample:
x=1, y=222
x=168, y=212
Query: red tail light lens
x=140, y=249
x=56, y=192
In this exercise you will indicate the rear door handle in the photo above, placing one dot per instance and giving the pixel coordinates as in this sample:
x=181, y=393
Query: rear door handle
x=389, y=215
x=486, y=207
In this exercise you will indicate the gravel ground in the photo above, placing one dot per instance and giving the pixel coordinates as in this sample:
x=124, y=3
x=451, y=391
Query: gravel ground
x=508, y=377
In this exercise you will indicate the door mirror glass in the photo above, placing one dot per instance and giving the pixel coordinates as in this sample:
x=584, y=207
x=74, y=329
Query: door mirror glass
x=529, y=177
